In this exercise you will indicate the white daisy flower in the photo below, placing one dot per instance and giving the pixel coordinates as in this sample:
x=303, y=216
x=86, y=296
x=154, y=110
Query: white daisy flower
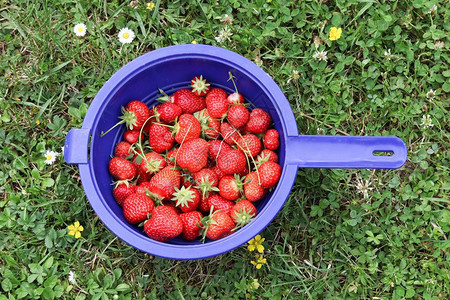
x=224, y=34
x=321, y=55
x=433, y=9
x=430, y=94
x=71, y=277
x=50, y=157
x=126, y=35
x=427, y=122
x=79, y=29
x=388, y=55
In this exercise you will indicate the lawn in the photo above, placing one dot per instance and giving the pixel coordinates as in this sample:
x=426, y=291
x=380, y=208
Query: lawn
x=342, y=234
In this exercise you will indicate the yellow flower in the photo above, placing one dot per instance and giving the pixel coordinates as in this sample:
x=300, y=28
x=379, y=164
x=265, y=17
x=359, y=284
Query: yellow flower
x=335, y=33
x=256, y=243
x=150, y=6
x=260, y=260
x=194, y=42
x=254, y=285
x=38, y=122
x=75, y=229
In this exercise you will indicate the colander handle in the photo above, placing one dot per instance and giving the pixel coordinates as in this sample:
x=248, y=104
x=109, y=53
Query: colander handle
x=346, y=152
x=76, y=146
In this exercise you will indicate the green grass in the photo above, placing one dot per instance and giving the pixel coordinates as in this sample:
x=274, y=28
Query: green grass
x=329, y=241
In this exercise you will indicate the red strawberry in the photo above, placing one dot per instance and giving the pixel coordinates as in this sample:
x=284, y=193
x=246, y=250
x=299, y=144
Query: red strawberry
x=164, y=224
x=188, y=101
x=150, y=121
x=134, y=115
x=244, y=172
x=199, y=86
x=191, y=225
x=136, y=208
x=272, y=139
x=219, y=226
x=121, y=169
x=167, y=112
x=193, y=155
x=204, y=205
x=232, y=161
x=217, y=103
x=152, y=163
x=231, y=187
x=122, y=191
x=217, y=202
x=218, y=172
x=160, y=138
x=210, y=126
x=235, y=98
x=163, y=184
x=132, y=136
x=170, y=157
x=250, y=144
x=206, y=181
x=187, y=128
x=270, y=173
x=143, y=187
x=267, y=155
x=259, y=121
x=243, y=212
x=186, y=199
x=229, y=133
x=187, y=180
x=252, y=189
x=216, y=147
x=238, y=115
x=122, y=149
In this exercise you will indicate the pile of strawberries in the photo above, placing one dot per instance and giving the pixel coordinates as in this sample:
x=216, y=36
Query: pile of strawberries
x=195, y=164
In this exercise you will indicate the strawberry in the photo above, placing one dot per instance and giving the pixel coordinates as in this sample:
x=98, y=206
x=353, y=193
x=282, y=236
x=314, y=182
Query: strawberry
x=235, y=98
x=219, y=225
x=167, y=112
x=232, y=161
x=199, y=86
x=170, y=156
x=243, y=212
x=164, y=224
x=259, y=121
x=163, y=184
x=229, y=133
x=188, y=101
x=218, y=172
x=143, y=187
x=250, y=144
x=269, y=173
x=193, y=155
x=121, y=169
x=187, y=180
x=252, y=189
x=231, y=187
x=244, y=172
x=150, y=121
x=204, y=205
x=136, y=208
x=191, y=225
x=206, y=181
x=238, y=115
x=210, y=126
x=160, y=138
x=122, y=149
x=122, y=191
x=272, y=139
x=216, y=147
x=217, y=202
x=134, y=116
x=186, y=199
x=267, y=155
x=217, y=103
x=187, y=128
x=152, y=162
x=132, y=136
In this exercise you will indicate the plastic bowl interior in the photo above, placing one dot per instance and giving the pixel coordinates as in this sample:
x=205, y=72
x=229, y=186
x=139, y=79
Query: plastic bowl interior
x=170, y=69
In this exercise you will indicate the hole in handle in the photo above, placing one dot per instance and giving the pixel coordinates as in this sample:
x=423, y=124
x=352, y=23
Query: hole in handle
x=382, y=153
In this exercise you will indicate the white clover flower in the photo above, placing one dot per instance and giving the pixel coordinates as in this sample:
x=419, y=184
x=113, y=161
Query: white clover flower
x=439, y=45
x=227, y=20
x=79, y=29
x=427, y=122
x=71, y=277
x=224, y=34
x=433, y=9
x=50, y=157
x=321, y=55
x=126, y=35
x=295, y=76
x=363, y=186
x=431, y=93
x=388, y=55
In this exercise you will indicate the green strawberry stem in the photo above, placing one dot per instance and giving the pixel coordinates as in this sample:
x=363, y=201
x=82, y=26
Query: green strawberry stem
x=139, y=142
x=232, y=80
x=164, y=98
x=102, y=134
x=183, y=196
x=248, y=155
